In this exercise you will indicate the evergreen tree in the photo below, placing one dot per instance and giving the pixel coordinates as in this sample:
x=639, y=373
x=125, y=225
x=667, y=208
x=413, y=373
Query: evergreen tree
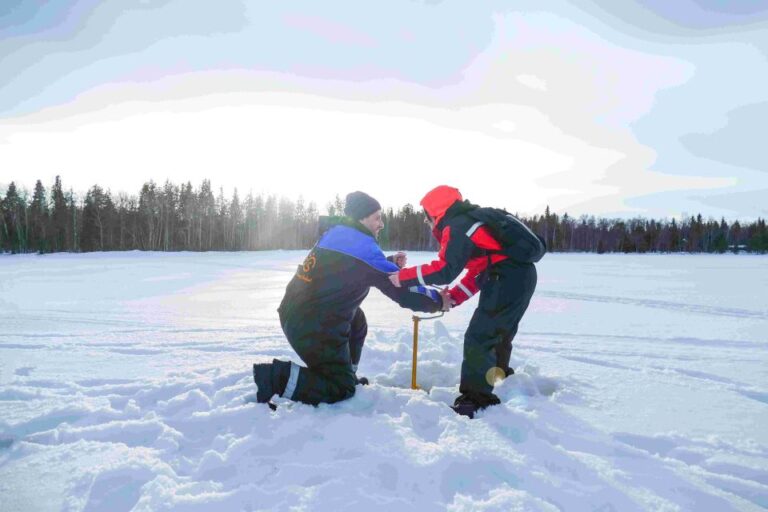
x=180, y=218
x=250, y=222
x=674, y=237
x=149, y=215
x=270, y=223
x=736, y=237
x=758, y=240
x=13, y=220
x=187, y=215
x=235, y=223
x=286, y=224
x=207, y=205
x=60, y=217
x=97, y=233
x=74, y=225
x=336, y=207
x=168, y=204
x=5, y=236
x=39, y=219
x=221, y=224
x=312, y=225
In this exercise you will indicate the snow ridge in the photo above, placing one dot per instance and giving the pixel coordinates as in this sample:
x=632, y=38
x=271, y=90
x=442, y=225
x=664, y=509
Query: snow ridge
x=198, y=441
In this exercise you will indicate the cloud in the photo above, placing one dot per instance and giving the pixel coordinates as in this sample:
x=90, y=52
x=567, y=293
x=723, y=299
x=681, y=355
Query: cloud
x=682, y=21
x=109, y=43
x=533, y=82
x=572, y=107
x=753, y=203
x=91, y=43
x=330, y=30
x=708, y=14
x=287, y=144
x=739, y=142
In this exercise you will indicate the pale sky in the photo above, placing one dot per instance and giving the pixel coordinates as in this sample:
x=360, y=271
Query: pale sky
x=652, y=108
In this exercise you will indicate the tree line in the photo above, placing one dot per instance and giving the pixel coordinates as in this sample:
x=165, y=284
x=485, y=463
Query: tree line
x=175, y=217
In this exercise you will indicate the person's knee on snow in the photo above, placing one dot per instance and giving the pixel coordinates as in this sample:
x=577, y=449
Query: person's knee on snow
x=341, y=391
x=328, y=386
x=324, y=383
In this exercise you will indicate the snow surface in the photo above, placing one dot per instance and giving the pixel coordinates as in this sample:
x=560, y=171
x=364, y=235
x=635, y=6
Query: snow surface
x=125, y=384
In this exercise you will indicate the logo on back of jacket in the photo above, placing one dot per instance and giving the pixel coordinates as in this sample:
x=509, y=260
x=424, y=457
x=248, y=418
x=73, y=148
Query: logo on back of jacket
x=304, y=272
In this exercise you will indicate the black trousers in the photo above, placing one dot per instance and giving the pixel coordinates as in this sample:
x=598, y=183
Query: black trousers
x=357, y=335
x=504, y=299
x=330, y=353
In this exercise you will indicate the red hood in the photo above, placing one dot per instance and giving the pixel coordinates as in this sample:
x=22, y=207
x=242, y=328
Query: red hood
x=439, y=199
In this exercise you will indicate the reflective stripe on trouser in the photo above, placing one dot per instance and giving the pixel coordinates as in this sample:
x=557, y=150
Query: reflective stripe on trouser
x=326, y=383
x=488, y=339
x=293, y=380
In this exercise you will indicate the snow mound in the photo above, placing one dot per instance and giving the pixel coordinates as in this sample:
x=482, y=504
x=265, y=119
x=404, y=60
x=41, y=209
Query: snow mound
x=198, y=441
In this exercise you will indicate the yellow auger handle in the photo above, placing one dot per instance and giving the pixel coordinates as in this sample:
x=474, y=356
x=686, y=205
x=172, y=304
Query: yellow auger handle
x=414, y=363
x=415, y=352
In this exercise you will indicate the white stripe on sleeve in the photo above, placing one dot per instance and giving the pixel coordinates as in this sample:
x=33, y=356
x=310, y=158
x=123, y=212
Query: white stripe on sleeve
x=421, y=277
x=465, y=290
x=474, y=228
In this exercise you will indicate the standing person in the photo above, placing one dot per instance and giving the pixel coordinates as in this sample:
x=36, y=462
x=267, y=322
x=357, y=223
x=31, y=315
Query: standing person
x=498, y=252
x=320, y=313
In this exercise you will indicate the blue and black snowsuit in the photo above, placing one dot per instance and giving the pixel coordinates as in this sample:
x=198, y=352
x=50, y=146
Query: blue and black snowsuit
x=321, y=316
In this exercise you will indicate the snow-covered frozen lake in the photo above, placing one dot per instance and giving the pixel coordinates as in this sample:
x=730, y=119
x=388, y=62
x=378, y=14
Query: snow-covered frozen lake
x=125, y=384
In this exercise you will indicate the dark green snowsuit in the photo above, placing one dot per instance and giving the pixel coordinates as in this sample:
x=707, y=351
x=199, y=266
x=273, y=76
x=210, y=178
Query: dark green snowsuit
x=321, y=316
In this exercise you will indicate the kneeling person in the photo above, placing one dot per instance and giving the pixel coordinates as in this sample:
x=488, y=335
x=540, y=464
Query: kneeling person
x=320, y=313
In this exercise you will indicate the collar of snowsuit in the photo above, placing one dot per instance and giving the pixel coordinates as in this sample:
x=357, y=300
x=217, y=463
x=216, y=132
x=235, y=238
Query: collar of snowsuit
x=357, y=243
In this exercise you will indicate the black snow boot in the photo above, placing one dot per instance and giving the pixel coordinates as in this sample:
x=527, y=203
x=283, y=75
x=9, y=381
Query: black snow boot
x=363, y=381
x=271, y=379
x=262, y=376
x=281, y=371
x=508, y=371
x=468, y=404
